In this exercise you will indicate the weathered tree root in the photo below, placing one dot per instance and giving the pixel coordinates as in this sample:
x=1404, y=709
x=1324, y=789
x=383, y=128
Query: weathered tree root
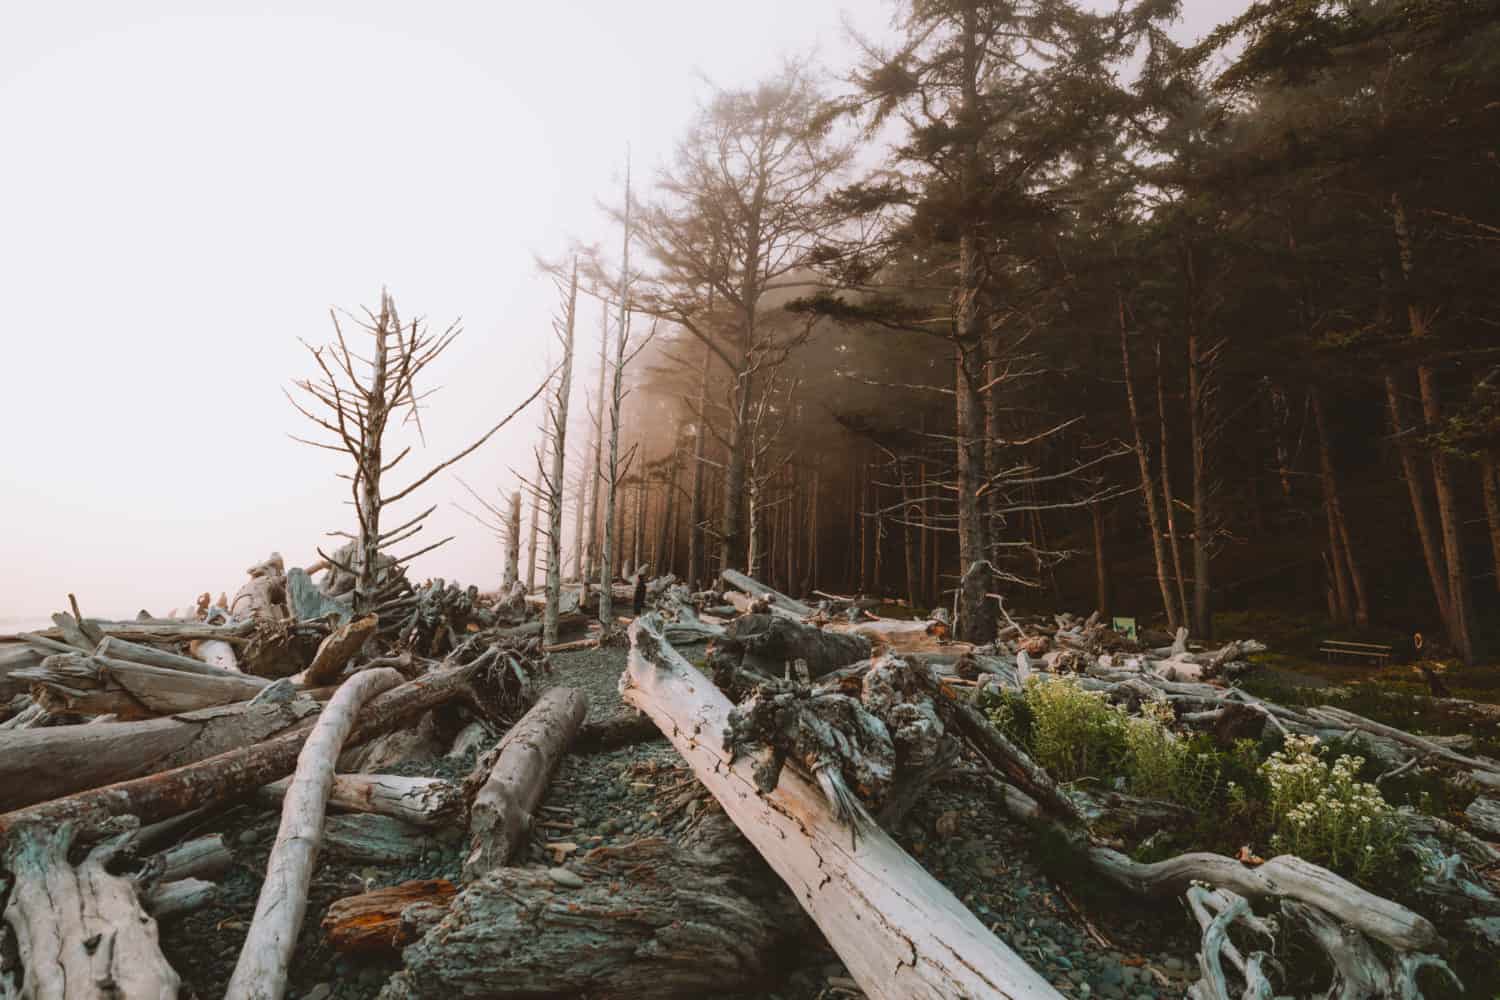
x=81, y=932
x=1216, y=910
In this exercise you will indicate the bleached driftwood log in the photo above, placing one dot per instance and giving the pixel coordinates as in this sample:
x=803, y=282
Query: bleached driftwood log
x=81, y=932
x=41, y=764
x=518, y=772
x=893, y=636
x=900, y=932
x=116, y=648
x=264, y=960
x=240, y=771
x=338, y=648
x=205, y=855
x=216, y=653
x=755, y=588
x=416, y=800
x=1284, y=876
x=382, y=920
x=170, y=899
x=96, y=685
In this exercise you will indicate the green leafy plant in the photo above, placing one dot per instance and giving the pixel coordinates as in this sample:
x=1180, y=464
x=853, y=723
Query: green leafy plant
x=1073, y=733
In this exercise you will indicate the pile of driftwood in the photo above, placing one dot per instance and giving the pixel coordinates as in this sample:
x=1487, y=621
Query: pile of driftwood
x=823, y=725
x=118, y=735
x=816, y=728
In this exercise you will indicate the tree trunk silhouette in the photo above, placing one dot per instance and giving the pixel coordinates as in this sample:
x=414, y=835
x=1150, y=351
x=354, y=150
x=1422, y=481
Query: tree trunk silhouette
x=1169, y=511
x=1459, y=601
x=1338, y=528
x=1148, y=488
x=1411, y=471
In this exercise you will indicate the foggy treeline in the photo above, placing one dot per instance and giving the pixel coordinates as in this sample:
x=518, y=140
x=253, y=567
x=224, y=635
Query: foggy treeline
x=1037, y=302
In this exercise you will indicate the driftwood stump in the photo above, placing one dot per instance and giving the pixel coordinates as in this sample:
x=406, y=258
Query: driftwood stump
x=637, y=922
x=81, y=932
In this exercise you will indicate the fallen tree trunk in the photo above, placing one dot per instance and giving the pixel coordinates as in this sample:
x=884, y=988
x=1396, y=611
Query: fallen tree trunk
x=200, y=856
x=15, y=654
x=900, y=932
x=95, y=685
x=164, y=630
x=41, y=764
x=1284, y=876
x=893, y=636
x=368, y=838
x=523, y=762
x=264, y=960
x=241, y=771
x=170, y=899
x=81, y=932
x=637, y=922
x=416, y=800
x=378, y=921
x=766, y=644
x=755, y=588
x=615, y=732
x=336, y=650
x=120, y=649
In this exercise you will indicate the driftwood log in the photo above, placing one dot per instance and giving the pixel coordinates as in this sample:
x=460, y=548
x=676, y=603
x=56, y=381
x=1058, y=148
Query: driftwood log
x=518, y=772
x=261, y=972
x=41, y=764
x=379, y=920
x=336, y=650
x=755, y=588
x=368, y=838
x=120, y=649
x=641, y=921
x=170, y=899
x=416, y=800
x=81, y=932
x=241, y=771
x=767, y=645
x=96, y=685
x=900, y=932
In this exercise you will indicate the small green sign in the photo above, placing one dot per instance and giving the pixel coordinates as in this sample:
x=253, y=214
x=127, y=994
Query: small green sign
x=1125, y=626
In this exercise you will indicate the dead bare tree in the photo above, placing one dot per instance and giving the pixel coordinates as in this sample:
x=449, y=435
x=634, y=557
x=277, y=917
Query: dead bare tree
x=551, y=481
x=614, y=471
x=768, y=419
x=358, y=397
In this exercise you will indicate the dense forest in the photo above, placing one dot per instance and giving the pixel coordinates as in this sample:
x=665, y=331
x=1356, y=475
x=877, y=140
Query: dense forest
x=1039, y=302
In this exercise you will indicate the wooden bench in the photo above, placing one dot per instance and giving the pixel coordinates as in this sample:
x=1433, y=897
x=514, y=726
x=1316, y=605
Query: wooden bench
x=1377, y=652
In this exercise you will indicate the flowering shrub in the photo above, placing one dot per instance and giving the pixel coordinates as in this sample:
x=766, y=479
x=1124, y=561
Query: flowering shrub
x=1324, y=814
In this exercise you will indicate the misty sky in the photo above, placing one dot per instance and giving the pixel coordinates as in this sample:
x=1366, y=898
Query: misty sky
x=185, y=190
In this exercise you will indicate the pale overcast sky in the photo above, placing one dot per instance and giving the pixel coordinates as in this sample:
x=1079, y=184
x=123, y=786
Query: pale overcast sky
x=186, y=188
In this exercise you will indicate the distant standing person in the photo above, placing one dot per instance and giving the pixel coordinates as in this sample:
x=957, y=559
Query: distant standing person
x=640, y=592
